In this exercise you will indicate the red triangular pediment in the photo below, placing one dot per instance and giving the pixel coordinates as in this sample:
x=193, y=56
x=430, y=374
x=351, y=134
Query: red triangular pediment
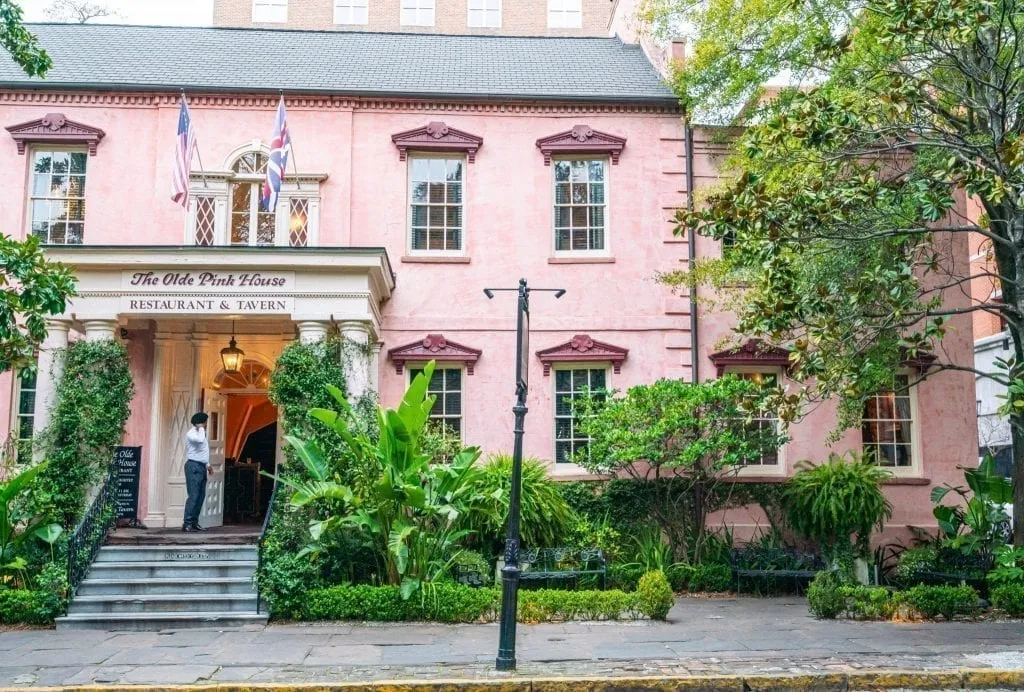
x=54, y=128
x=437, y=136
x=434, y=347
x=583, y=348
x=581, y=139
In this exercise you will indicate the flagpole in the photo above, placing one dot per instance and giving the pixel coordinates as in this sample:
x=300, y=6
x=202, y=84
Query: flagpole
x=291, y=155
x=202, y=170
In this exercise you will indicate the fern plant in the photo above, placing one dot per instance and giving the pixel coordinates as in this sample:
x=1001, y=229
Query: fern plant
x=838, y=503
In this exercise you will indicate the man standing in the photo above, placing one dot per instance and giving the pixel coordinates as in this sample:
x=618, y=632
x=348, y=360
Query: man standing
x=197, y=467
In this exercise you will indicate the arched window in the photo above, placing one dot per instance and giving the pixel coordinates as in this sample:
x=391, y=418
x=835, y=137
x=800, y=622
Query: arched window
x=225, y=207
x=250, y=224
x=253, y=375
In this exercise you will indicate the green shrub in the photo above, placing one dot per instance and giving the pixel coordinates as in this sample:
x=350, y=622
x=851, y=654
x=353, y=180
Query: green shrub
x=1010, y=599
x=25, y=607
x=679, y=576
x=654, y=595
x=710, y=578
x=545, y=517
x=823, y=597
x=548, y=605
x=869, y=602
x=625, y=577
x=437, y=602
x=914, y=562
x=947, y=601
x=838, y=503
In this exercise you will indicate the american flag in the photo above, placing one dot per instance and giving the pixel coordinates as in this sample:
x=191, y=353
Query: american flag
x=280, y=148
x=184, y=148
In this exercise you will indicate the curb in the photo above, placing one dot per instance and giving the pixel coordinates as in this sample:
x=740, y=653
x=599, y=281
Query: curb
x=840, y=682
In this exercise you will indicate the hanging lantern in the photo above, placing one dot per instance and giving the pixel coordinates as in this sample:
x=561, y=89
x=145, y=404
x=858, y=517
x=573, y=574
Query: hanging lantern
x=232, y=356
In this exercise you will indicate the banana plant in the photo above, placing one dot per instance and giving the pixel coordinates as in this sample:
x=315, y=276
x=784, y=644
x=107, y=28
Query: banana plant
x=980, y=523
x=18, y=531
x=416, y=512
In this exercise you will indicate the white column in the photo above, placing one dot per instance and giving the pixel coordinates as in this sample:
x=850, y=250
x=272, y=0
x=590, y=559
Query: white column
x=355, y=340
x=311, y=331
x=375, y=366
x=155, y=502
x=49, y=369
x=100, y=330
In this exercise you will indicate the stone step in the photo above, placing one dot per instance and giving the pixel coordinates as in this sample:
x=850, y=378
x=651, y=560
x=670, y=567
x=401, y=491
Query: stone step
x=155, y=587
x=173, y=569
x=151, y=622
x=174, y=603
x=196, y=553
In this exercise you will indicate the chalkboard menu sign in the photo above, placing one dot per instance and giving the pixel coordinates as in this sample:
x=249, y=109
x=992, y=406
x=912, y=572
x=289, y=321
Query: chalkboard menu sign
x=127, y=466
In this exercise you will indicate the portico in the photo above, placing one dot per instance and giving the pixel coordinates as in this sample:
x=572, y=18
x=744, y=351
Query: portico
x=177, y=307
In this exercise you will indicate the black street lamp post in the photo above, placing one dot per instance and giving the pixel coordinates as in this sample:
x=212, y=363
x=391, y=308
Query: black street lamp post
x=510, y=572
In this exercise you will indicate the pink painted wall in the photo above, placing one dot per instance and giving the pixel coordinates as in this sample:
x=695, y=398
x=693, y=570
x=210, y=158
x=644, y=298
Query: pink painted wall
x=508, y=235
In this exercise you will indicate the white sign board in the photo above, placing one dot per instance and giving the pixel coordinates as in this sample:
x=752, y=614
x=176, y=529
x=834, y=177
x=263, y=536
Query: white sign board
x=207, y=292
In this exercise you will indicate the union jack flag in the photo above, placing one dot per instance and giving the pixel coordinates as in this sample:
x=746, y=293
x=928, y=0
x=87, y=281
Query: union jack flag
x=184, y=149
x=280, y=148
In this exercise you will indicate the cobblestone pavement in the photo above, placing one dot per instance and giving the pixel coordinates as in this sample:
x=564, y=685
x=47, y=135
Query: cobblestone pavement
x=726, y=636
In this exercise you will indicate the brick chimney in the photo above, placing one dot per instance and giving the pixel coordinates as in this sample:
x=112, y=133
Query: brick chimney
x=677, y=51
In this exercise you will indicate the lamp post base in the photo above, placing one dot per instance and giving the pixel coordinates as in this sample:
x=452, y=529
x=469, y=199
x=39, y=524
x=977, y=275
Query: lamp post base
x=505, y=663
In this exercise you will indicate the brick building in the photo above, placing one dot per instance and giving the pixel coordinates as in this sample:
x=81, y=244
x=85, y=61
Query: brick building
x=485, y=17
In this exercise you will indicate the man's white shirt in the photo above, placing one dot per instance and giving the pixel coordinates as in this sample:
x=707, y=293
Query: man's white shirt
x=197, y=448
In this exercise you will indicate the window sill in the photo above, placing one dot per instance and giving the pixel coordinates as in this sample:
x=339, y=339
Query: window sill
x=440, y=259
x=581, y=260
x=907, y=480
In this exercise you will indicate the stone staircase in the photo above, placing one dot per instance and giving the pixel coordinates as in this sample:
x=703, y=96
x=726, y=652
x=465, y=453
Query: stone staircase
x=166, y=586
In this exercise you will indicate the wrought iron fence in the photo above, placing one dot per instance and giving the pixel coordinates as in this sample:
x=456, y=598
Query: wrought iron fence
x=92, y=531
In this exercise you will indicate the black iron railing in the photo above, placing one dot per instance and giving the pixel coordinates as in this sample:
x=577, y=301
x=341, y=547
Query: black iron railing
x=259, y=547
x=90, y=533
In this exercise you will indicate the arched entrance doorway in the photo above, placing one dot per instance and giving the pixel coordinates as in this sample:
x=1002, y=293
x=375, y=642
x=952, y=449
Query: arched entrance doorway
x=250, y=440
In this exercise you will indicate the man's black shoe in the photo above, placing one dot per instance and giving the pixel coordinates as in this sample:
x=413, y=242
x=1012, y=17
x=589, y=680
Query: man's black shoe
x=188, y=528
x=197, y=527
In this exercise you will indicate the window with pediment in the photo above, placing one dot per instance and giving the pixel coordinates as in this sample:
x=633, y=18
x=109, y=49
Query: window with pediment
x=226, y=208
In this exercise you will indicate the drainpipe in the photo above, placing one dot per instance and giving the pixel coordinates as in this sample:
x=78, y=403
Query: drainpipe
x=691, y=253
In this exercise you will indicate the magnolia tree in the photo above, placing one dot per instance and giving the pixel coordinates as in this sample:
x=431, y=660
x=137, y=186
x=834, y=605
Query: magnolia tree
x=684, y=438
x=20, y=43
x=840, y=198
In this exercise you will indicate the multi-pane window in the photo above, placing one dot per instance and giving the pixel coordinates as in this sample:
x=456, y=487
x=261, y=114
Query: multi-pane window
x=887, y=425
x=57, y=198
x=765, y=423
x=25, y=414
x=446, y=385
x=270, y=11
x=351, y=11
x=485, y=13
x=571, y=384
x=435, y=203
x=250, y=225
x=580, y=204
x=418, y=12
x=206, y=220
x=565, y=14
x=298, y=222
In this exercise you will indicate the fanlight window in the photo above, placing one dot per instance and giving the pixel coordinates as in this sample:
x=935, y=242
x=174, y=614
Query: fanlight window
x=252, y=375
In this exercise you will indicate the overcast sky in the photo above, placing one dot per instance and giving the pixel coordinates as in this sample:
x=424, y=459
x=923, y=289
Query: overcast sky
x=181, y=12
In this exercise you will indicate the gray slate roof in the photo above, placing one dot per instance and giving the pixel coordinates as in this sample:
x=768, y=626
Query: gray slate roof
x=108, y=56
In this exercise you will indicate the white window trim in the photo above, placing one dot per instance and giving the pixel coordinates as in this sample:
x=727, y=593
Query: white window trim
x=31, y=155
x=607, y=250
x=469, y=17
x=411, y=365
x=562, y=14
x=433, y=13
x=15, y=411
x=556, y=468
x=915, y=470
x=338, y=7
x=217, y=184
x=269, y=6
x=780, y=468
x=462, y=251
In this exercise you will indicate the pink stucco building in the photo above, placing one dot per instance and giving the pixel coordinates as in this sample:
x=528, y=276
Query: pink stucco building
x=426, y=168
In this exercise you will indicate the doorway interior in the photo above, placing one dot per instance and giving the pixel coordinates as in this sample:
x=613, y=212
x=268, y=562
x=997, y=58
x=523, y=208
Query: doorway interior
x=251, y=443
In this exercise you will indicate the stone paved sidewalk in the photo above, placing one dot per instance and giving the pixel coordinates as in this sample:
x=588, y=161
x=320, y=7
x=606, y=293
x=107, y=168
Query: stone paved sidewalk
x=728, y=636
